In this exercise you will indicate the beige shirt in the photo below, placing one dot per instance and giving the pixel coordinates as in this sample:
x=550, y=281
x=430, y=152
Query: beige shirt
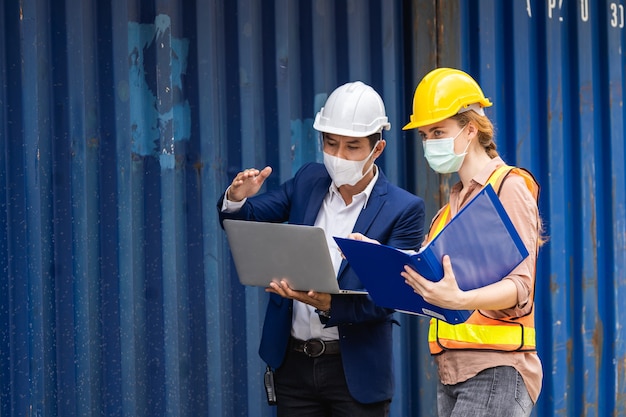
x=458, y=366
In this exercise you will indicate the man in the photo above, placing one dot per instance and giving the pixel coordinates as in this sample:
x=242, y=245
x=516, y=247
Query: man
x=333, y=353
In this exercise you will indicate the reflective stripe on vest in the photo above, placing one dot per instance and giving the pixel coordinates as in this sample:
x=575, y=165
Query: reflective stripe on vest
x=513, y=334
x=483, y=333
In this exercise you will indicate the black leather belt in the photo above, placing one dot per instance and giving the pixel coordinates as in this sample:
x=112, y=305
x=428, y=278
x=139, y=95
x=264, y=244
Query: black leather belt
x=314, y=348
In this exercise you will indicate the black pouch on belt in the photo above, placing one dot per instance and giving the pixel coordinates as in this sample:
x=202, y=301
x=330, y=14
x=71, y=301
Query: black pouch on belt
x=269, y=386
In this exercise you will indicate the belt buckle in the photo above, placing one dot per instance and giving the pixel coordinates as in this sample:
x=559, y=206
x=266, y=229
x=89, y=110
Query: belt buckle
x=314, y=348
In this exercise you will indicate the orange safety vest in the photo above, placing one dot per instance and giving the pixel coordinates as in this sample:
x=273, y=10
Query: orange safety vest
x=479, y=332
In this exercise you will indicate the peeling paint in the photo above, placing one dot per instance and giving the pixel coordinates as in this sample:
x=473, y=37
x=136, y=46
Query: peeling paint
x=302, y=133
x=147, y=121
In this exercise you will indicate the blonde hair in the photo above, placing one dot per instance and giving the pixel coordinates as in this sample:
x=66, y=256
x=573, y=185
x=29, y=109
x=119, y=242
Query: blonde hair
x=485, y=130
x=485, y=138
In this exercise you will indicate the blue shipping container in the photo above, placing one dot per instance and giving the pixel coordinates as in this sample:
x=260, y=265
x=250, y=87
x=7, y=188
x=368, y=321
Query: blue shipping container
x=122, y=123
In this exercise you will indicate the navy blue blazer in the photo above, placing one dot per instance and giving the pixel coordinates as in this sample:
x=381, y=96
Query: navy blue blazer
x=392, y=216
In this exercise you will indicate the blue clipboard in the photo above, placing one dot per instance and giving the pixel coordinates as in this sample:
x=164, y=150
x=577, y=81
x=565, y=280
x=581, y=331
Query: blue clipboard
x=481, y=241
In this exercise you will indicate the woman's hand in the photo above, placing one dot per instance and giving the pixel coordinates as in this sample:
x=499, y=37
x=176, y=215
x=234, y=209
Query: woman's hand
x=444, y=293
x=319, y=300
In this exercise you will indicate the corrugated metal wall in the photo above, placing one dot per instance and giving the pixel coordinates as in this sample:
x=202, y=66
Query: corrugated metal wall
x=122, y=122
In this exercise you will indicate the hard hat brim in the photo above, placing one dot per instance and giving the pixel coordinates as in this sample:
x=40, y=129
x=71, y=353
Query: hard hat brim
x=349, y=132
x=410, y=125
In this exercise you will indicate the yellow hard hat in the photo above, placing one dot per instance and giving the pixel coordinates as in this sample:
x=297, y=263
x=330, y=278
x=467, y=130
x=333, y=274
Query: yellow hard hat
x=442, y=93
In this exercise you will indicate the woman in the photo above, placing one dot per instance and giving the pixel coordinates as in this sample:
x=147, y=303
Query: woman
x=487, y=366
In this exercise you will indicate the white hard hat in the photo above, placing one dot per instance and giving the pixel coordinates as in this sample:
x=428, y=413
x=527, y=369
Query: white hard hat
x=354, y=109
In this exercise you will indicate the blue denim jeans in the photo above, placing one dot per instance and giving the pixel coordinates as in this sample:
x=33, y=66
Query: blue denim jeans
x=316, y=387
x=494, y=392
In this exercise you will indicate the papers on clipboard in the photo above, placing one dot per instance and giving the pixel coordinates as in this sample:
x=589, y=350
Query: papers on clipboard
x=481, y=241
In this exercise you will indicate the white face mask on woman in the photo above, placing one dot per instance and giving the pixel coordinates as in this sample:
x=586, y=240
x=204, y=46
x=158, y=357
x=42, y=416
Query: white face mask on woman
x=441, y=156
x=343, y=171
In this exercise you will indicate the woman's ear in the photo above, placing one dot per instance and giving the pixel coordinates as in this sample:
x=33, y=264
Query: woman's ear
x=471, y=130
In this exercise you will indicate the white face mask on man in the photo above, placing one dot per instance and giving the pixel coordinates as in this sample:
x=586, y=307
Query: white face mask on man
x=343, y=171
x=441, y=156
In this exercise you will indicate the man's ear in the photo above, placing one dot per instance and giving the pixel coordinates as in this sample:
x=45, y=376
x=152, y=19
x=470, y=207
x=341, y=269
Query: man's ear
x=379, y=148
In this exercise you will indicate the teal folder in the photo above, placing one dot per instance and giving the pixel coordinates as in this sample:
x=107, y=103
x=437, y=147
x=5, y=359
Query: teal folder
x=481, y=241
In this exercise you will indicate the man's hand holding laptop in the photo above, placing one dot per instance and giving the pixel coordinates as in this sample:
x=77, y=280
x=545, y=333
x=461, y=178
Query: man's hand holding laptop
x=319, y=300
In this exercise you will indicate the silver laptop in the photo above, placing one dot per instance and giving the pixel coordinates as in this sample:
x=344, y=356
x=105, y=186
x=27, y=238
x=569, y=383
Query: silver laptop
x=264, y=252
